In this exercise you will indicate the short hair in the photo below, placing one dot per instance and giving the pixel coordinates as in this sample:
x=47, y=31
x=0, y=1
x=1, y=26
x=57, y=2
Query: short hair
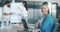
x=7, y=2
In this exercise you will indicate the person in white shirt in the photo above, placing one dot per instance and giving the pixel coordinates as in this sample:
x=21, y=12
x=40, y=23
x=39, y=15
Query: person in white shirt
x=18, y=13
x=25, y=17
x=6, y=12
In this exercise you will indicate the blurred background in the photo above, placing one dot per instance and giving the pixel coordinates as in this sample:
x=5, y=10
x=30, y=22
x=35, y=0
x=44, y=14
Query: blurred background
x=34, y=13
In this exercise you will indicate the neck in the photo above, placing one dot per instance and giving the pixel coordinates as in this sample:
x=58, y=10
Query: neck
x=45, y=14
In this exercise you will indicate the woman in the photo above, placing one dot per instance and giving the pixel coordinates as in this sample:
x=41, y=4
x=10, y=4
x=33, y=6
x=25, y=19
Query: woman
x=25, y=18
x=47, y=22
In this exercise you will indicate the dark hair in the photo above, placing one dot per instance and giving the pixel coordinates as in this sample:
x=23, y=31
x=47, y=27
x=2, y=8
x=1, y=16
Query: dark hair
x=25, y=4
x=7, y=2
x=46, y=3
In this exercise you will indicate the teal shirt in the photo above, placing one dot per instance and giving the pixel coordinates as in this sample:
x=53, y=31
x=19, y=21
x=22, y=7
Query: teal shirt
x=47, y=24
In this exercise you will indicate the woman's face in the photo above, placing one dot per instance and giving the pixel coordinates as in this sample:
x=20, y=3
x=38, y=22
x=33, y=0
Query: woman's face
x=8, y=4
x=44, y=9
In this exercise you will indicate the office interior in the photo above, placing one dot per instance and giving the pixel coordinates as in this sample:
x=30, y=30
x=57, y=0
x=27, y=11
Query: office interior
x=34, y=14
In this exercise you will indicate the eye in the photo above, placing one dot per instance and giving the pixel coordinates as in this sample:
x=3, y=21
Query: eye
x=41, y=8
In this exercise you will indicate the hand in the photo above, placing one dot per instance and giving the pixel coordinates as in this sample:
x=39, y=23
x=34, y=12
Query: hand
x=36, y=25
x=10, y=13
x=6, y=14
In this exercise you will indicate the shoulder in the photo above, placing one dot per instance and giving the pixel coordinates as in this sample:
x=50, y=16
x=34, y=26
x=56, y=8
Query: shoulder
x=48, y=17
x=5, y=6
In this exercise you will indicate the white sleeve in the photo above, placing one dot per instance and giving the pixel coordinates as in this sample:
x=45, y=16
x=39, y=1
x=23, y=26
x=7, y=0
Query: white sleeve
x=24, y=12
x=4, y=9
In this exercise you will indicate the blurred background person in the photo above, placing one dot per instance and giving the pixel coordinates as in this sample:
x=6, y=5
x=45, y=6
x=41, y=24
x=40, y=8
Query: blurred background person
x=25, y=17
x=19, y=14
x=25, y=11
x=6, y=12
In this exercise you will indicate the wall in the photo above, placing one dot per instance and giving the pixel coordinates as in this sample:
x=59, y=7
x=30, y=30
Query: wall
x=52, y=1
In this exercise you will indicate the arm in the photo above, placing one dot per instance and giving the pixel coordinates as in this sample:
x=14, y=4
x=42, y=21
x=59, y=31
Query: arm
x=7, y=13
x=45, y=24
x=36, y=25
x=24, y=12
